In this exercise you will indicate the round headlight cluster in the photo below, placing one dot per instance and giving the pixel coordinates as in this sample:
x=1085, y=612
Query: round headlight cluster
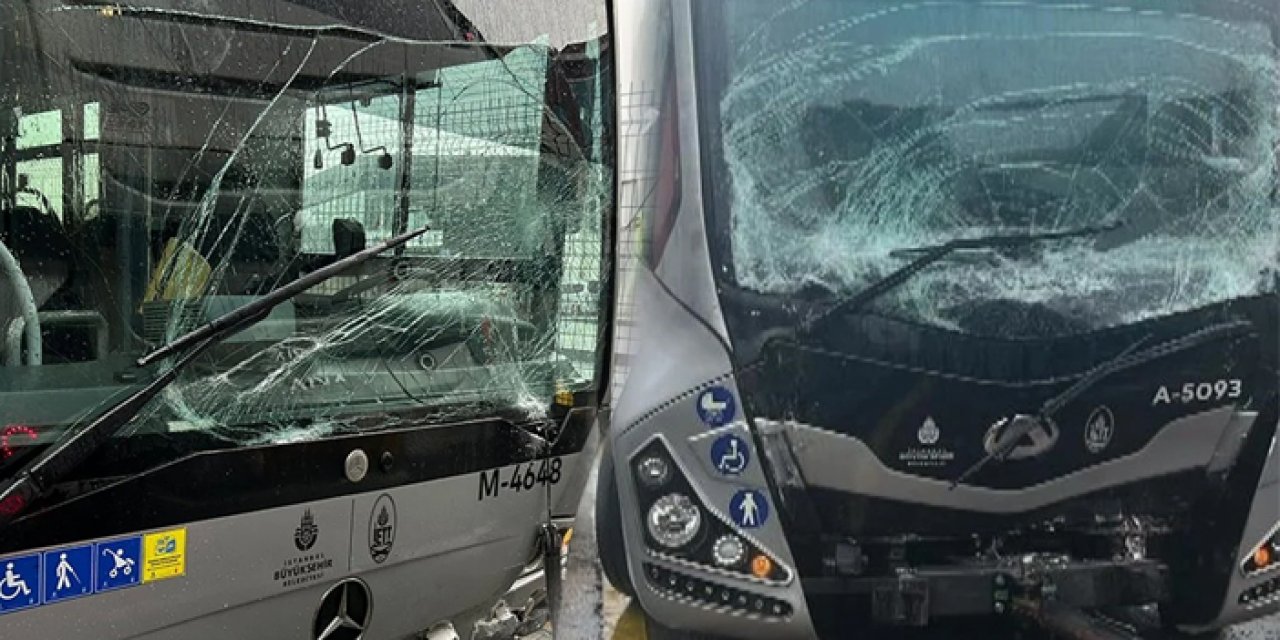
x=653, y=471
x=674, y=520
x=729, y=550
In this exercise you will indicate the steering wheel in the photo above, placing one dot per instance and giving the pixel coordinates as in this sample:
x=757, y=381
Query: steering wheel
x=27, y=303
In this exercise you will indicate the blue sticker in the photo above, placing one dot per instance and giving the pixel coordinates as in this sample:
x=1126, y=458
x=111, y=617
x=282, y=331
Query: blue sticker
x=20, y=586
x=730, y=454
x=749, y=508
x=716, y=406
x=68, y=573
x=118, y=562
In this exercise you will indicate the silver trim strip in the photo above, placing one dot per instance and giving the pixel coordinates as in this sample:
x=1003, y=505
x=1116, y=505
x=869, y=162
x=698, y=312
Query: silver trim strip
x=838, y=461
x=1233, y=438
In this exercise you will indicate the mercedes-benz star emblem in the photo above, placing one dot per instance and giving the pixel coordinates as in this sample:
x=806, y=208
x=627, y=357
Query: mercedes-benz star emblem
x=344, y=613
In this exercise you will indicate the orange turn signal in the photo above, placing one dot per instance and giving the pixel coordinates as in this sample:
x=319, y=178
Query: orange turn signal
x=1262, y=557
x=761, y=566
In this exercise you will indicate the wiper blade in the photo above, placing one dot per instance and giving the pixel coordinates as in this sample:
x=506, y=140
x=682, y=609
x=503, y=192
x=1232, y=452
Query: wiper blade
x=931, y=254
x=40, y=475
x=1021, y=425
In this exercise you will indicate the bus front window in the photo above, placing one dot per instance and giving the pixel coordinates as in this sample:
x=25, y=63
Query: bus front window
x=149, y=188
x=847, y=130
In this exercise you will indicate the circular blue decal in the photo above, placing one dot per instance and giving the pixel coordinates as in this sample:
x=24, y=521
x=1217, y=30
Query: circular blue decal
x=716, y=406
x=730, y=455
x=749, y=508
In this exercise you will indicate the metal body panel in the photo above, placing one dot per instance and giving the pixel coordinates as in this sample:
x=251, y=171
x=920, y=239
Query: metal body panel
x=571, y=489
x=459, y=554
x=645, y=411
x=686, y=266
x=1264, y=517
x=675, y=312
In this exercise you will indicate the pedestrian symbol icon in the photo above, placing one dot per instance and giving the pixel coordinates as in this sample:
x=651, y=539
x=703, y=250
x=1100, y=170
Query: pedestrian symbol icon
x=716, y=406
x=20, y=586
x=749, y=508
x=730, y=454
x=68, y=573
x=65, y=573
x=118, y=563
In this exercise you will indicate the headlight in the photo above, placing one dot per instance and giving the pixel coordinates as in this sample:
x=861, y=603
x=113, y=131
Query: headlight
x=674, y=520
x=728, y=550
x=653, y=471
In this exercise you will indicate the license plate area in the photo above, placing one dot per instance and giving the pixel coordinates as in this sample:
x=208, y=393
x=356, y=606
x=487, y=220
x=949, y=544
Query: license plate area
x=902, y=602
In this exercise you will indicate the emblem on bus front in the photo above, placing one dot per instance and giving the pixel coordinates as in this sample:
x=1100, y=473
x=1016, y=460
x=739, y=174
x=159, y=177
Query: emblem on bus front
x=928, y=432
x=382, y=528
x=304, y=537
x=357, y=465
x=1098, y=429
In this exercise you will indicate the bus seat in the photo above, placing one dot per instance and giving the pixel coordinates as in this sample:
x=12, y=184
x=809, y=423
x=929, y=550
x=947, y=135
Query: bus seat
x=43, y=249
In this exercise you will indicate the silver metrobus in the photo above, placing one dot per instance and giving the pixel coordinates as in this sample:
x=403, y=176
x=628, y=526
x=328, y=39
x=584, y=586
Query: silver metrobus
x=943, y=309
x=387, y=451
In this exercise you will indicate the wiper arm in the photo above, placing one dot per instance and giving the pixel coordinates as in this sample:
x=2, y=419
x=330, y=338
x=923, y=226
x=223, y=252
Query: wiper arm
x=932, y=254
x=1021, y=425
x=37, y=477
x=262, y=306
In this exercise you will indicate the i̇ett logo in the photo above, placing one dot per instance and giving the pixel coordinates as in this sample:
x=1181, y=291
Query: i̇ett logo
x=1098, y=429
x=382, y=528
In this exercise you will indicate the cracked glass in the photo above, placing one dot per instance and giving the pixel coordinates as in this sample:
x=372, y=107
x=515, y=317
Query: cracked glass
x=229, y=149
x=920, y=123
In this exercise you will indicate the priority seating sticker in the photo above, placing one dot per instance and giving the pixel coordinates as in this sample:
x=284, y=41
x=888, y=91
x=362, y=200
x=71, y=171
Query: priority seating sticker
x=164, y=555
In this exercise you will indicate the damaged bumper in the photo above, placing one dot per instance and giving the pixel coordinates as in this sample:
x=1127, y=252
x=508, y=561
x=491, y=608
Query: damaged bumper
x=923, y=594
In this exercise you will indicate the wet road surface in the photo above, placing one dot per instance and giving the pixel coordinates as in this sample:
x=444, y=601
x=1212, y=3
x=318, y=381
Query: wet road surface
x=622, y=622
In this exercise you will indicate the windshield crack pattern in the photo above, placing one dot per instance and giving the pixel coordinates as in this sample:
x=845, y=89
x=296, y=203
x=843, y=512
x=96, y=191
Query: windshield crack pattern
x=921, y=123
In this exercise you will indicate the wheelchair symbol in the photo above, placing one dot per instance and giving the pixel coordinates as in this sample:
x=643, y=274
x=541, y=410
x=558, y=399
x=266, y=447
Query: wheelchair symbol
x=730, y=455
x=13, y=585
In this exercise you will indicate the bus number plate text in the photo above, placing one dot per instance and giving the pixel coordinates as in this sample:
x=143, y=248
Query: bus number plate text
x=525, y=476
x=1205, y=391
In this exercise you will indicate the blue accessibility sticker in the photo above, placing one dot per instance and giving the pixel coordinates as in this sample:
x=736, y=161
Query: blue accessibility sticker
x=68, y=573
x=716, y=406
x=20, y=586
x=118, y=563
x=730, y=454
x=749, y=508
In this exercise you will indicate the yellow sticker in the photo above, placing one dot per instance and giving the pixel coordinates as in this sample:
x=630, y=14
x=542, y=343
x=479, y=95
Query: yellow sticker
x=164, y=555
x=564, y=398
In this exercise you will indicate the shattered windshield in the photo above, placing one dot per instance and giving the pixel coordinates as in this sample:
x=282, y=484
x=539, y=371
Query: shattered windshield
x=160, y=167
x=846, y=130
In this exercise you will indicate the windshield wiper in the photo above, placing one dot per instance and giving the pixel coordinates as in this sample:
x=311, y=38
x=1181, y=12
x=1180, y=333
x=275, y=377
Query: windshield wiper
x=934, y=253
x=1021, y=425
x=37, y=477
